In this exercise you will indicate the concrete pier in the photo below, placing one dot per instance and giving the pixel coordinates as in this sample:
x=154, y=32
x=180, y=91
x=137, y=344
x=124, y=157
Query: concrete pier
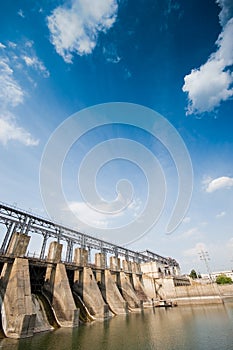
x=86, y=286
x=18, y=319
x=57, y=287
x=127, y=291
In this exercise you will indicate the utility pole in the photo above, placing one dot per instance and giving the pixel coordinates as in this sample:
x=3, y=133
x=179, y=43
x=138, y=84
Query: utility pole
x=205, y=257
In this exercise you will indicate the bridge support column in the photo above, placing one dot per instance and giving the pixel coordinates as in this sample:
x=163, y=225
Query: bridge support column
x=57, y=288
x=18, y=319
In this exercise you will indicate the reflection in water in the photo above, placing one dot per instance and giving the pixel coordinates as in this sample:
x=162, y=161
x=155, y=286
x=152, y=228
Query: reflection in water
x=192, y=328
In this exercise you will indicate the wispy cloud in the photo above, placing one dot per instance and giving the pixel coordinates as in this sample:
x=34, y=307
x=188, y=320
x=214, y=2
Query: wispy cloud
x=12, y=92
x=195, y=250
x=10, y=131
x=220, y=215
x=21, y=13
x=186, y=220
x=75, y=27
x=34, y=62
x=223, y=182
x=211, y=84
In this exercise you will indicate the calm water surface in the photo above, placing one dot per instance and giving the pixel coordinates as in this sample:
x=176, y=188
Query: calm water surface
x=199, y=327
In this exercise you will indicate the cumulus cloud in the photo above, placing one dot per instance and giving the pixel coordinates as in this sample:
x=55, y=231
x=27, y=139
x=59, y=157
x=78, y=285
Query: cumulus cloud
x=11, y=95
x=2, y=46
x=223, y=182
x=211, y=84
x=75, y=27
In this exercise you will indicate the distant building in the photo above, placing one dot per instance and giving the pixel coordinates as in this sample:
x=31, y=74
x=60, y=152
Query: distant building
x=214, y=275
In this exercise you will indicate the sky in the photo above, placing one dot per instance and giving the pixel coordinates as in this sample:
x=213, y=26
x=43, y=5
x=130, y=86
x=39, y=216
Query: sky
x=173, y=59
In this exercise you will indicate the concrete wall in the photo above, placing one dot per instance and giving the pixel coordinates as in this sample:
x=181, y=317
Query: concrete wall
x=18, y=319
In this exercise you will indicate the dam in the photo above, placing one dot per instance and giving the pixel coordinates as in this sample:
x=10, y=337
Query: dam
x=41, y=292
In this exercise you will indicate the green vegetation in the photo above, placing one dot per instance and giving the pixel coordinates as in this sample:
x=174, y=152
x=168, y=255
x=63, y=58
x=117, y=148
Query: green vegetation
x=193, y=274
x=223, y=279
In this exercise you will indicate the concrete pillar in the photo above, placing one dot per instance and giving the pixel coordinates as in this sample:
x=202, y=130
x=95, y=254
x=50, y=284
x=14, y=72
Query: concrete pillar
x=54, y=253
x=100, y=260
x=18, y=244
x=112, y=294
x=127, y=265
x=139, y=289
x=87, y=288
x=136, y=267
x=54, y=256
x=81, y=256
x=115, y=263
x=58, y=290
x=128, y=291
x=18, y=319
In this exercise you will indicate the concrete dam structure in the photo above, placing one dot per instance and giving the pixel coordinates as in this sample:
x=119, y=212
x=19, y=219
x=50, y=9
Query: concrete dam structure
x=41, y=293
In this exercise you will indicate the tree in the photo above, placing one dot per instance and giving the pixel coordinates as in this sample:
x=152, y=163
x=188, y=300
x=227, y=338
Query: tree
x=193, y=274
x=223, y=279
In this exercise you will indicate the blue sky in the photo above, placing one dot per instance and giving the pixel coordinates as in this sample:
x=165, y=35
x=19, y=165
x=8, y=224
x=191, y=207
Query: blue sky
x=173, y=56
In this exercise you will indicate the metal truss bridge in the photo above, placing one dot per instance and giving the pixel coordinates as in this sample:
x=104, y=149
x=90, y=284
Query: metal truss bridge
x=18, y=220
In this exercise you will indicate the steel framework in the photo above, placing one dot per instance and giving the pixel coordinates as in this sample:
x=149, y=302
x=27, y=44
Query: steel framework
x=18, y=220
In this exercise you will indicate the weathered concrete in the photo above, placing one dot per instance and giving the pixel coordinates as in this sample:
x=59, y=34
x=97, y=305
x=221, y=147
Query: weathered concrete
x=115, y=263
x=54, y=253
x=81, y=256
x=18, y=245
x=127, y=291
x=112, y=295
x=86, y=287
x=57, y=287
x=139, y=289
x=18, y=319
x=41, y=322
x=126, y=265
x=100, y=260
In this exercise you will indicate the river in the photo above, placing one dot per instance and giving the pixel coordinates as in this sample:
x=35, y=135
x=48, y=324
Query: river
x=193, y=328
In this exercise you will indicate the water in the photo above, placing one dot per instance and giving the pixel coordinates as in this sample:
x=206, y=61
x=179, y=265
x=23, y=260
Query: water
x=193, y=328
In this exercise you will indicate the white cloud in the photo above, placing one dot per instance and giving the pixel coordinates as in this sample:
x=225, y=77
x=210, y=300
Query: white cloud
x=2, y=46
x=195, y=250
x=226, y=12
x=211, y=84
x=20, y=13
x=11, y=92
x=186, y=220
x=11, y=95
x=220, y=215
x=223, y=182
x=75, y=28
x=87, y=215
x=9, y=131
x=35, y=63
